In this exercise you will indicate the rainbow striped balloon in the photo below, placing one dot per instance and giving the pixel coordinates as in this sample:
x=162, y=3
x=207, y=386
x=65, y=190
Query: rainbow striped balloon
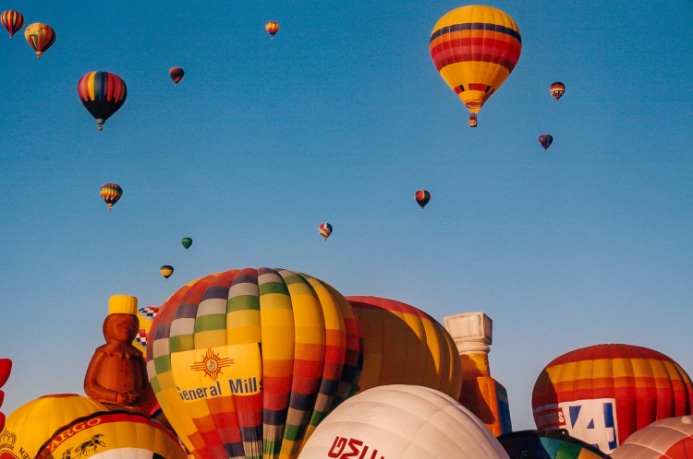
x=601, y=394
x=245, y=363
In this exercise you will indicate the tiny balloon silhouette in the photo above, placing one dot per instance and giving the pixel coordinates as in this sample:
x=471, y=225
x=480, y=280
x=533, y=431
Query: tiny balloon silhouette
x=325, y=229
x=187, y=242
x=422, y=197
x=272, y=27
x=546, y=140
x=557, y=89
x=111, y=193
x=176, y=74
x=166, y=271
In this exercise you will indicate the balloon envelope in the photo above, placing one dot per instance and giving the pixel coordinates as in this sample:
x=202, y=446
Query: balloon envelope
x=250, y=361
x=12, y=21
x=557, y=89
x=669, y=438
x=404, y=345
x=146, y=317
x=187, y=242
x=166, y=271
x=102, y=94
x=110, y=193
x=547, y=444
x=176, y=74
x=405, y=422
x=325, y=229
x=40, y=37
x=602, y=394
x=422, y=197
x=34, y=422
x=475, y=48
x=272, y=27
x=545, y=140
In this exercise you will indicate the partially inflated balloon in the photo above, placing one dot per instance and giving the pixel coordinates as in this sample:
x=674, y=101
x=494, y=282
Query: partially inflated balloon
x=40, y=37
x=166, y=271
x=112, y=435
x=669, y=438
x=475, y=48
x=557, y=89
x=12, y=21
x=402, y=421
x=187, y=242
x=602, y=394
x=33, y=423
x=404, y=345
x=325, y=229
x=110, y=193
x=102, y=93
x=547, y=444
x=545, y=140
x=422, y=197
x=176, y=74
x=5, y=369
x=272, y=28
x=247, y=362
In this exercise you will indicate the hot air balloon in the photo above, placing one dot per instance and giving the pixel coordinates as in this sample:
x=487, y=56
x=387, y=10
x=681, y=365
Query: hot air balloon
x=250, y=361
x=475, y=48
x=402, y=421
x=102, y=93
x=272, y=27
x=404, y=345
x=176, y=74
x=545, y=140
x=146, y=317
x=601, y=394
x=422, y=197
x=40, y=37
x=669, y=438
x=325, y=229
x=187, y=242
x=111, y=193
x=547, y=444
x=112, y=435
x=32, y=423
x=5, y=369
x=12, y=21
x=557, y=89
x=166, y=271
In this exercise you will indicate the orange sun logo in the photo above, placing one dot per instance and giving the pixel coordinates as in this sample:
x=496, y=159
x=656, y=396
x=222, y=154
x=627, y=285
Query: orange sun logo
x=211, y=364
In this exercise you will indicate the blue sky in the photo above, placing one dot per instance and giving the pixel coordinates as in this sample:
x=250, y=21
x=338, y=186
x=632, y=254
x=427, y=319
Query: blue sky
x=341, y=118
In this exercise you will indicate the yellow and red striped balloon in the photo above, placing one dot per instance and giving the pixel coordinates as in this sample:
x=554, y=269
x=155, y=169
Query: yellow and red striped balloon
x=601, y=394
x=110, y=193
x=245, y=363
x=475, y=48
x=40, y=37
x=12, y=21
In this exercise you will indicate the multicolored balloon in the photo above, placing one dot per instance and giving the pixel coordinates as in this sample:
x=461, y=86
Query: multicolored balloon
x=12, y=21
x=557, y=89
x=422, y=197
x=402, y=421
x=245, y=363
x=404, y=345
x=34, y=422
x=146, y=317
x=166, y=271
x=40, y=37
x=110, y=193
x=187, y=242
x=669, y=438
x=176, y=74
x=602, y=394
x=547, y=444
x=272, y=27
x=325, y=229
x=112, y=435
x=5, y=370
x=102, y=93
x=545, y=140
x=475, y=48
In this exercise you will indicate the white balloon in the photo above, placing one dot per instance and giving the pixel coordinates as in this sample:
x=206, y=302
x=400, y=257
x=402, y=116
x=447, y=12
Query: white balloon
x=401, y=421
x=655, y=440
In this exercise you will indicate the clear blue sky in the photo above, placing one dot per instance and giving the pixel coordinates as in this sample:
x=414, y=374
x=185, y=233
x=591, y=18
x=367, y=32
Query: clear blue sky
x=341, y=118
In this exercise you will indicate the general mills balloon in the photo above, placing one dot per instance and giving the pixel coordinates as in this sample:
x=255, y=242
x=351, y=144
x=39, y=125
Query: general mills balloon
x=245, y=363
x=602, y=394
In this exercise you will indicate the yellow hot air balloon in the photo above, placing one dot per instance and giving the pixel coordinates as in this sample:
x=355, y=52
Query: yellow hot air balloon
x=40, y=37
x=475, y=48
x=32, y=423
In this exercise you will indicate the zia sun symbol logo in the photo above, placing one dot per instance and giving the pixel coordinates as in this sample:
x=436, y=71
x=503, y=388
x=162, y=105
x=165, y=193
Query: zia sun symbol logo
x=211, y=364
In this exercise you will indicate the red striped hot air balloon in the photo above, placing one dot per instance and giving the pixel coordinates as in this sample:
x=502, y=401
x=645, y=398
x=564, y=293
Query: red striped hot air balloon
x=12, y=21
x=601, y=394
x=40, y=37
x=245, y=363
x=102, y=94
x=111, y=193
x=475, y=48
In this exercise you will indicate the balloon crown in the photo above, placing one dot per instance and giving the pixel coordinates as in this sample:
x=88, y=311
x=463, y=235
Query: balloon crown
x=122, y=304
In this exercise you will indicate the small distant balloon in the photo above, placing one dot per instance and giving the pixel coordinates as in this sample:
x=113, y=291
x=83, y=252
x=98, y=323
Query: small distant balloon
x=325, y=229
x=102, y=94
x=111, y=193
x=557, y=89
x=187, y=242
x=422, y=197
x=546, y=140
x=166, y=271
x=40, y=37
x=272, y=28
x=12, y=21
x=176, y=74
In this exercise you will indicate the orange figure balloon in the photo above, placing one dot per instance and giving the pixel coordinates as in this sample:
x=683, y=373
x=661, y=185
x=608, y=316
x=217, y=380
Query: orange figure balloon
x=117, y=372
x=40, y=37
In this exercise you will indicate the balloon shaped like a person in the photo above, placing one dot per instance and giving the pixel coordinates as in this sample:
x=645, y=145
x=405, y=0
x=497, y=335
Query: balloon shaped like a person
x=117, y=372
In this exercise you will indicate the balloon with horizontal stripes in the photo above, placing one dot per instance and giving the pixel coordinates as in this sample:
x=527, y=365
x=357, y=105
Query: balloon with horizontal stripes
x=475, y=48
x=602, y=394
x=246, y=363
x=404, y=345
